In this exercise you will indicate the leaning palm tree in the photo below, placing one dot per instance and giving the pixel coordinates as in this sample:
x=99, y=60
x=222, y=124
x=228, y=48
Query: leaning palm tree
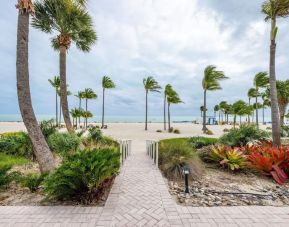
x=168, y=89
x=211, y=82
x=261, y=80
x=88, y=93
x=72, y=23
x=41, y=149
x=173, y=98
x=272, y=10
x=150, y=85
x=55, y=83
x=107, y=83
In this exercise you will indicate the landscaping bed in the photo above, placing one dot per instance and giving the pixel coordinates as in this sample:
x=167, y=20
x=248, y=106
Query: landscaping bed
x=239, y=169
x=86, y=168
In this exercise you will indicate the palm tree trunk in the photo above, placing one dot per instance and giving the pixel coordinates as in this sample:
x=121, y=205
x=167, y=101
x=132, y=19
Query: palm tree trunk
x=205, y=111
x=63, y=88
x=249, y=114
x=103, y=93
x=257, y=114
x=86, y=101
x=146, y=123
x=79, y=110
x=56, y=108
x=169, y=115
x=41, y=149
x=165, y=102
x=282, y=110
x=276, y=128
x=60, y=114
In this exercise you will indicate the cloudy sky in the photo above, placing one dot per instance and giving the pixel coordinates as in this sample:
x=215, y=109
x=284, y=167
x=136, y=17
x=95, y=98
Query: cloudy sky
x=171, y=40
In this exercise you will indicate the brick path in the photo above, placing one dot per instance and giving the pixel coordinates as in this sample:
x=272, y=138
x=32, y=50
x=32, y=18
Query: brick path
x=140, y=197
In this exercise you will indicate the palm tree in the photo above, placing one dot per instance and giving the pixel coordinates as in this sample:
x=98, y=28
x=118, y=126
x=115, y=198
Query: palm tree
x=216, y=109
x=261, y=80
x=41, y=149
x=202, y=108
x=223, y=106
x=266, y=103
x=150, y=85
x=272, y=10
x=239, y=108
x=107, y=83
x=173, y=98
x=55, y=83
x=251, y=94
x=168, y=89
x=80, y=96
x=283, y=98
x=88, y=93
x=74, y=115
x=60, y=112
x=86, y=115
x=72, y=23
x=211, y=82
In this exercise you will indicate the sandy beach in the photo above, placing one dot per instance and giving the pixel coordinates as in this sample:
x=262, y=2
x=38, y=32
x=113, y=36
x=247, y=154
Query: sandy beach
x=135, y=131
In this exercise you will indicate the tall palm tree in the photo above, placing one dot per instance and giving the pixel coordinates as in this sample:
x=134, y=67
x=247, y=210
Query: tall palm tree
x=202, y=108
x=107, y=83
x=55, y=83
x=238, y=109
x=223, y=107
x=272, y=10
x=251, y=94
x=211, y=82
x=88, y=93
x=261, y=80
x=150, y=85
x=168, y=89
x=216, y=109
x=80, y=96
x=283, y=98
x=173, y=98
x=41, y=149
x=86, y=115
x=72, y=23
x=74, y=115
x=60, y=112
x=265, y=103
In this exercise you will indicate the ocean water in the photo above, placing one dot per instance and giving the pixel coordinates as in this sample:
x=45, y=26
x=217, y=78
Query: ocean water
x=108, y=119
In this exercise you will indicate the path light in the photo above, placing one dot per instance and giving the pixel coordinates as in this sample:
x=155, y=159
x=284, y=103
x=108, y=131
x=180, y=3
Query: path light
x=186, y=172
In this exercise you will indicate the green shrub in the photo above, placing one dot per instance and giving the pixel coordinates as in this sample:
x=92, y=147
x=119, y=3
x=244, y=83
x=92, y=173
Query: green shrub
x=82, y=176
x=33, y=181
x=16, y=143
x=64, y=143
x=171, y=129
x=48, y=128
x=285, y=131
x=10, y=160
x=174, y=155
x=241, y=136
x=95, y=134
x=199, y=142
x=177, y=131
x=5, y=177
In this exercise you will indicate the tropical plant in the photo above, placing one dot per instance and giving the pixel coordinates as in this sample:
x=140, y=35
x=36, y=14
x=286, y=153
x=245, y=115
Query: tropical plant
x=86, y=115
x=261, y=80
x=272, y=10
x=107, y=83
x=217, y=109
x=265, y=104
x=238, y=109
x=241, y=136
x=41, y=149
x=17, y=144
x=231, y=158
x=224, y=107
x=211, y=82
x=88, y=93
x=74, y=114
x=174, y=155
x=172, y=98
x=84, y=176
x=32, y=181
x=168, y=89
x=55, y=83
x=252, y=93
x=60, y=105
x=270, y=160
x=48, y=127
x=150, y=85
x=199, y=142
x=5, y=177
x=72, y=23
x=202, y=108
x=64, y=143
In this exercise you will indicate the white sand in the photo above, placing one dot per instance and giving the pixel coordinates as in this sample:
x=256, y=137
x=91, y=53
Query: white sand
x=135, y=131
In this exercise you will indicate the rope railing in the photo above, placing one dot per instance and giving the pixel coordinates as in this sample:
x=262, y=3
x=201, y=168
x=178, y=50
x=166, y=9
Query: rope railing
x=152, y=149
x=125, y=150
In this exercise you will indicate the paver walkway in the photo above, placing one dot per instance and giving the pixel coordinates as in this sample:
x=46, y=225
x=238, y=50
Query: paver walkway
x=139, y=197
